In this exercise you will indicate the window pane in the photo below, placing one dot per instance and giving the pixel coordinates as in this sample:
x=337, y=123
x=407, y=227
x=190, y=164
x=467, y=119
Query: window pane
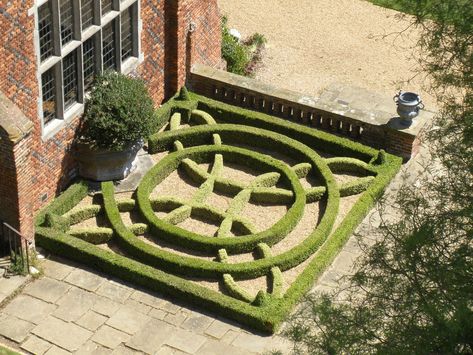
x=45, y=31
x=48, y=86
x=108, y=45
x=106, y=6
x=127, y=33
x=66, y=21
x=69, y=68
x=89, y=63
x=87, y=9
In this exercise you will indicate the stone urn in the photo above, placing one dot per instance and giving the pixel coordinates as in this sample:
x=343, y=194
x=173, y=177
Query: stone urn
x=106, y=165
x=408, y=106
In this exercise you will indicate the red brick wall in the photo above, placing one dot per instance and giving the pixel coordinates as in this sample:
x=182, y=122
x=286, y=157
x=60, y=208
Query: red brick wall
x=206, y=17
x=169, y=47
x=8, y=185
x=44, y=168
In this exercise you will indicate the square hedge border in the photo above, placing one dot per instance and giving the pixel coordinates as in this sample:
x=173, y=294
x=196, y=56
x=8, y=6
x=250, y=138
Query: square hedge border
x=267, y=317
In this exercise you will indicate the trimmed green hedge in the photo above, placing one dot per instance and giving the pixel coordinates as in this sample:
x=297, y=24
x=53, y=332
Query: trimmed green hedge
x=191, y=240
x=94, y=235
x=65, y=202
x=313, y=138
x=159, y=269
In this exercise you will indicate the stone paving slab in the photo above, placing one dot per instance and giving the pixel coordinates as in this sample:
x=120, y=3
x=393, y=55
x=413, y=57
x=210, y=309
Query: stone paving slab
x=74, y=304
x=14, y=328
x=63, y=334
x=114, y=291
x=215, y=347
x=91, y=320
x=8, y=286
x=105, y=306
x=186, y=341
x=142, y=340
x=29, y=308
x=91, y=348
x=110, y=337
x=127, y=320
x=85, y=279
x=47, y=289
x=57, y=270
x=56, y=351
x=36, y=345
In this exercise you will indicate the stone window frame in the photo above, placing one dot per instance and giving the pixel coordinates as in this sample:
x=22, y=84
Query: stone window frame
x=80, y=36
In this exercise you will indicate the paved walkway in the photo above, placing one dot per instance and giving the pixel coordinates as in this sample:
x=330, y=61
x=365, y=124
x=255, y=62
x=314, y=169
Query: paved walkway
x=75, y=310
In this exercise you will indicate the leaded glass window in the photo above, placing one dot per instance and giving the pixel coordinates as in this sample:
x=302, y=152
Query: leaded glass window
x=108, y=38
x=127, y=33
x=90, y=67
x=106, y=6
x=48, y=87
x=87, y=9
x=75, y=43
x=69, y=68
x=45, y=24
x=67, y=25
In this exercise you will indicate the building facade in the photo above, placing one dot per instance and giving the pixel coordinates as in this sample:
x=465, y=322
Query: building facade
x=50, y=51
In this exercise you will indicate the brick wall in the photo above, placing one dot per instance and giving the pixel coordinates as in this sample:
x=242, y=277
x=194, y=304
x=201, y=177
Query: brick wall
x=46, y=167
x=8, y=185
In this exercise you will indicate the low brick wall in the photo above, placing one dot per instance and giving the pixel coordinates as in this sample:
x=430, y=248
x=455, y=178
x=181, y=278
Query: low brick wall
x=379, y=130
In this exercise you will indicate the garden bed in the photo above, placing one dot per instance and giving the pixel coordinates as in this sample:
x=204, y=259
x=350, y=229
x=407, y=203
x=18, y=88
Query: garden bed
x=240, y=214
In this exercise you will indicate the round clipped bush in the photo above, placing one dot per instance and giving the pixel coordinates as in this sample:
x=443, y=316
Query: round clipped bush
x=118, y=113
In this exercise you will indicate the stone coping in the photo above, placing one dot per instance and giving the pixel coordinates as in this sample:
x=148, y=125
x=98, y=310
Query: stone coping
x=13, y=120
x=349, y=101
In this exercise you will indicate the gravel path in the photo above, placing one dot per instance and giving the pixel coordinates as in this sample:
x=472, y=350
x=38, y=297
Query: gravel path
x=313, y=43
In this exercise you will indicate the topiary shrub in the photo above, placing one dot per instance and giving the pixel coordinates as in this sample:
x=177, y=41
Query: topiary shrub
x=118, y=113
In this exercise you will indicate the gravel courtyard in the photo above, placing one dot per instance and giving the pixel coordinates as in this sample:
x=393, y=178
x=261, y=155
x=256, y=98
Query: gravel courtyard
x=313, y=43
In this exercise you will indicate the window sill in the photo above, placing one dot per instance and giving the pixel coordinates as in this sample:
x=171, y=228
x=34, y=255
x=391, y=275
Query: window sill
x=54, y=126
x=130, y=64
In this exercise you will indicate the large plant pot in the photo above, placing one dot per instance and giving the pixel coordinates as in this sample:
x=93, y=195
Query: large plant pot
x=104, y=165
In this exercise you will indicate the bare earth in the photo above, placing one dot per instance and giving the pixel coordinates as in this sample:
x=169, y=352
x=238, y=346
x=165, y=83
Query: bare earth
x=313, y=43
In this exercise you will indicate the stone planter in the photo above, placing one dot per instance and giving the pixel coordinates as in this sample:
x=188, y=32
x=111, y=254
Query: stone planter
x=104, y=165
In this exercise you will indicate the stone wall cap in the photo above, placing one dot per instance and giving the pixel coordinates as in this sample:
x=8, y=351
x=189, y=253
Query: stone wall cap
x=12, y=120
x=353, y=103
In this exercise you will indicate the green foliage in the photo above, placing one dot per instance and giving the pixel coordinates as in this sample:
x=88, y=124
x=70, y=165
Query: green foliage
x=81, y=214
x=313, y=138
x=65, y=202
x=236, y=54
x=235, y=290
x=356, y=187
x=162, y=270
x=5, y=351
x=242, y=57
x=257, y=39
x=57, y=222
x=412, y=292
x=18, y=265
x=192, y=240
x=94, y=235
x=118, y=113
x=183, y=94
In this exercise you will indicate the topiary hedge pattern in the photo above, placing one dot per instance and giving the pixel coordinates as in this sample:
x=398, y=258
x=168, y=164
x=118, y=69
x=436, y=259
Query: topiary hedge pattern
x=220, y=134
